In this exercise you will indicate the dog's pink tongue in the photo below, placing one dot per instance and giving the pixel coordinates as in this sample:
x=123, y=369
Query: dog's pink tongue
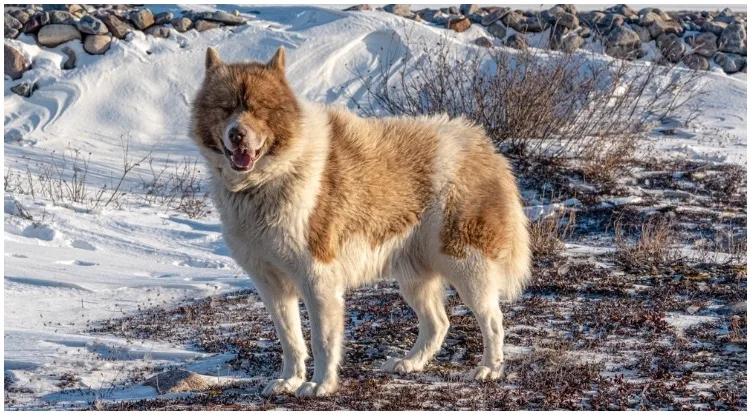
x=242, y=159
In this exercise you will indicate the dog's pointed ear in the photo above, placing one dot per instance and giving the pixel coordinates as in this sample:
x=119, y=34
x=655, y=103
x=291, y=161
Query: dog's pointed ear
x=277, y=62
x=212, y=59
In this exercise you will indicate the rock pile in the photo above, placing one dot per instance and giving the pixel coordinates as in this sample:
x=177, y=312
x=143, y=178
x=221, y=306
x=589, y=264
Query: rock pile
x=96, y=26
x=693, y=39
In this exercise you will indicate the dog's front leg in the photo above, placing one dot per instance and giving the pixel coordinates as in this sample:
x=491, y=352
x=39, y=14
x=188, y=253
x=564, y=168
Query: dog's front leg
x=325, y=303
x=280, y=297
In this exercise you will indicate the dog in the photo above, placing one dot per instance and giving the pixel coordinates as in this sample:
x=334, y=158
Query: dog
x=316, y=200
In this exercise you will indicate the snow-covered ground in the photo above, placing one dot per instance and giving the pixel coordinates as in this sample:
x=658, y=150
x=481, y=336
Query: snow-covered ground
x=72, y=266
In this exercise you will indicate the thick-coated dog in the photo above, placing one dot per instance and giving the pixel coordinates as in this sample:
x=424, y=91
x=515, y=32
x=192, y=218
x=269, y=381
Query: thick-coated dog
x=316, y=201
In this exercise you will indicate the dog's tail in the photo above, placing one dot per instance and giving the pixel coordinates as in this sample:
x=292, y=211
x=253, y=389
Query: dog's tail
x=516, y=265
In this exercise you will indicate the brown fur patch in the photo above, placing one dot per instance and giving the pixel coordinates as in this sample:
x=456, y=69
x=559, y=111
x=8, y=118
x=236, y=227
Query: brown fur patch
x=257, y=94
x=377, y=192
x=480, y=205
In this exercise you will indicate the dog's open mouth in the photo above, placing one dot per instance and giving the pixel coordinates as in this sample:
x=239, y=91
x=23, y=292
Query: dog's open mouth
x=242, y=159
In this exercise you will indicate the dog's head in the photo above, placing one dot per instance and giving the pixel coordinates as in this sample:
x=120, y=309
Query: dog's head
x=245, y=111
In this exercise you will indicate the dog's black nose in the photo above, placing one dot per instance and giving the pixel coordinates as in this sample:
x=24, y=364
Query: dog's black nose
x=236, y=136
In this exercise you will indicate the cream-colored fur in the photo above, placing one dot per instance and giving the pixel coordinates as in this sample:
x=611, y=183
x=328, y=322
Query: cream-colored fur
x=275, y=253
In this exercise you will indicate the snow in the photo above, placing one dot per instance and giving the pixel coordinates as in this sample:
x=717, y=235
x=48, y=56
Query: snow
x=73, y=267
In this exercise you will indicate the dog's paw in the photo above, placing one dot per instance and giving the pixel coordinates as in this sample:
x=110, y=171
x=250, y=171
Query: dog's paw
x=279, y=386
x=316, y=389
x=486, y=373
x=396, y=365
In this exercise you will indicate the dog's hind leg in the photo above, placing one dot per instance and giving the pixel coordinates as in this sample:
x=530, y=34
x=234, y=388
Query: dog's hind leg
x=425, y=296
x=476, y=283
x=281, y=300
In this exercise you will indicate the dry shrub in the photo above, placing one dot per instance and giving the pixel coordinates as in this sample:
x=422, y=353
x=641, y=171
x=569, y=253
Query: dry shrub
x=547, y=235
x=532, y=103
x=649, y=244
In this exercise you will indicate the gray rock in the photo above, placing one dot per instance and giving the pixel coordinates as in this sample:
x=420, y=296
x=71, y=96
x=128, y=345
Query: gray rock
x=730, y=62
x=44, y=18
x=512, y=19
x=12, y=23
x=696, y=62
x=726, y=16
x=484, y=42
x=477, y=17
x=590, y=18
x=454, y=10
x=610, y=22
x=647, y=19
x=398, y=9
x=516, y=41
x=71, y=61
x=21, y=15
x=182, y=24
x=704, y=44
x=56, y=34
x=62, y=17
x=467, y=9
x=117, y=27
x=567, y=20
x=219, y=17
x=532, y=24
x=33, y=25
x=623, y=36
x=643, y=33
x=714, y=27
x=157, y=31
x=498, y=30
x=176, y=381
x=494, y=16
x=358, y=8
x=672, y=47
x=142, y=18
x=733, y=39
x=12, y=33
x=25, y=89
x=76, y=10
x=91, y=25
x=571, y=42
x=15, y=64
x=204, y=25
x=624, y=52
x=623, y=10
x=163, y=18
x=97, y=44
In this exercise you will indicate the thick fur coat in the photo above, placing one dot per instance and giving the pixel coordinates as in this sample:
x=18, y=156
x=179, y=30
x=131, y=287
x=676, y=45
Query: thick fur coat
x=316, y=200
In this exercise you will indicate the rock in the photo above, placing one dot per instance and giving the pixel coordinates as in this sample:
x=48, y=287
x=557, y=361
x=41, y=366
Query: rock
x=584, y=32
x=12, y=33
x=673, y=27
x=571, y=43
x=157, y=31
x=704, y=44
x=654, y=10
x=176, y=381
x=56, y=34
x=21, y=15
x=516, y=42
x=62, y=17
x=454, y=10
x=512, y=19
x=24, y=89
x=358, y=8
x=624, y=52
x=15, y=64
x=498, y=30
x=467, y=9
x=219, y=17
x=647, y=19
x=533, y=24
x=44, y=18
x=590, y=18
x=622, y=36
x=733, y=39
x=484, y=42
x=494, y=16
x=182, y=24
x=730, y=62
x=163, y=18
x=204, y=25
x=398, y=9
x=70, y=62
x=567, y=20
x=117, y=27
x=142, y=18
x=623, y=10
x=726, y=16
x=657, y=28
x=12, y=23
x=672, y=47
x=477, y=17
x=76, y=10
x=97, y=44
x=715, y=27
x=696, y=62
x=33, y=25
x=609, y=22
x=91, y=25
x=643, y=33
x=459, y=25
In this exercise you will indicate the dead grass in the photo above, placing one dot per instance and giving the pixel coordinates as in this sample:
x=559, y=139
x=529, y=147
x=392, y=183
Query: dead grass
x=647, y=244
x=547, y=235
